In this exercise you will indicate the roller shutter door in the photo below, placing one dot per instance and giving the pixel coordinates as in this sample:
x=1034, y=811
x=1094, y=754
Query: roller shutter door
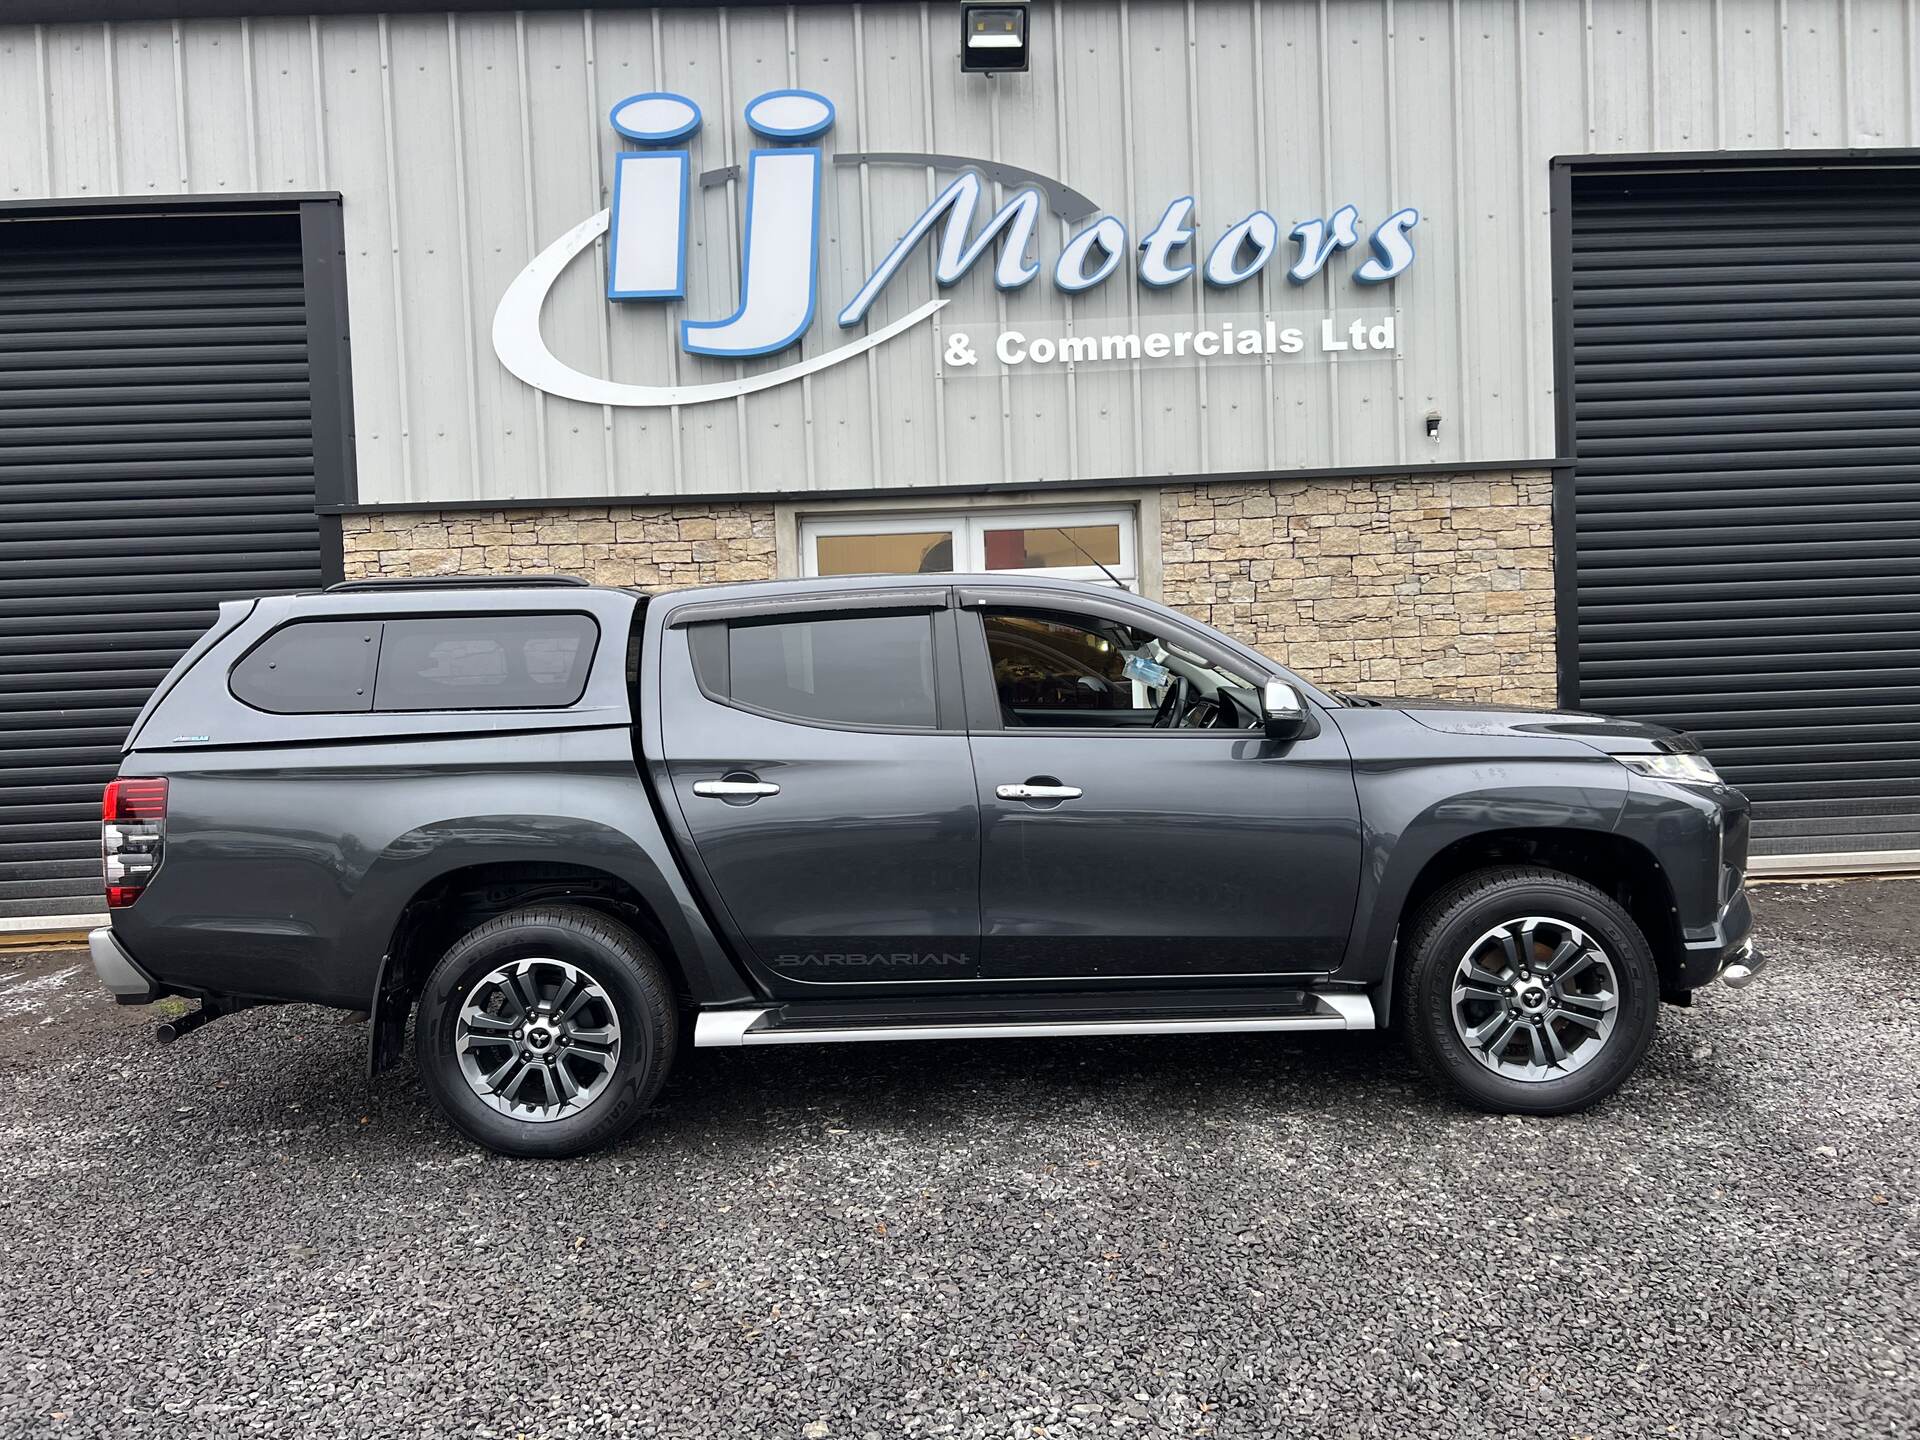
x=156, y=457
x=1745, y=418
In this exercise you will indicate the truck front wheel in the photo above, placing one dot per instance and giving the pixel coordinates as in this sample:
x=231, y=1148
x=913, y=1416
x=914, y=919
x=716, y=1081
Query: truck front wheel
x=1527, y=991
x=546, y=1032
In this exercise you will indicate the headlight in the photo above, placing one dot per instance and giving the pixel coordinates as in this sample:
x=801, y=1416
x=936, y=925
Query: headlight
x=1688, y=768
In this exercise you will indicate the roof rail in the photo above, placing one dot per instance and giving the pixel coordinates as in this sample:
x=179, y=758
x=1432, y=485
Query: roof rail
x=454, y=582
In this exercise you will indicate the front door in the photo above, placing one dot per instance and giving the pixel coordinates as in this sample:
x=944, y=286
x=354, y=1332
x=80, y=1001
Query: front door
x=819, y=763
x=1136, y=821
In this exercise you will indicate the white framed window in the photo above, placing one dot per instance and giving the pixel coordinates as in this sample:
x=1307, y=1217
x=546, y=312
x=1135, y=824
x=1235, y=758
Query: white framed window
x=1099, y=545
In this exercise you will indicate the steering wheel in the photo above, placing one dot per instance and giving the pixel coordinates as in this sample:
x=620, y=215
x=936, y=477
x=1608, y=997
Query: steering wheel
x=1173, y=704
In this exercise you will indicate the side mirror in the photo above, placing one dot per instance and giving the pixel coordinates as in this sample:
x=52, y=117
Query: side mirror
x=1286, y=713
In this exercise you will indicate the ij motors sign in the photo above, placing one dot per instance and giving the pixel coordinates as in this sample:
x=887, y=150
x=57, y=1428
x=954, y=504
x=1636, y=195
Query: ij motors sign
x=780, y=261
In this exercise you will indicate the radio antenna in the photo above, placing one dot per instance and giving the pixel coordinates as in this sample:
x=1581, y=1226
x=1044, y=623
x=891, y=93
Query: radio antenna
x=1118, y=583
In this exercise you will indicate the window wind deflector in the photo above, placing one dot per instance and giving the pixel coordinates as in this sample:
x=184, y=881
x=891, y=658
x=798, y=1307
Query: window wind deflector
x=902, y=601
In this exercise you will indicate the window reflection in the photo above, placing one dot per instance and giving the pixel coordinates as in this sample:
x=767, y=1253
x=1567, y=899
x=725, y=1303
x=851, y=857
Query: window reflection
x=929, y=552
x=1053, y=547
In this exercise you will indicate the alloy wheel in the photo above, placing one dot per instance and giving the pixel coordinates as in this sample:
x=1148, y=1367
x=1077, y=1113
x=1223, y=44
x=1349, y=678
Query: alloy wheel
x=1535, y=998
x=537, y=1039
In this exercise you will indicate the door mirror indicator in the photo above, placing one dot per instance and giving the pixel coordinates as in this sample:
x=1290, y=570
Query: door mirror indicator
x=1286, y=714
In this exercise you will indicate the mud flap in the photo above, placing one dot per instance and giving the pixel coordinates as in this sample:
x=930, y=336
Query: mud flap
x=387, y=1021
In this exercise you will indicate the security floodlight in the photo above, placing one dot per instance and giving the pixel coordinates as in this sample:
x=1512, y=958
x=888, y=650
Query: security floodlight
x=993, y=38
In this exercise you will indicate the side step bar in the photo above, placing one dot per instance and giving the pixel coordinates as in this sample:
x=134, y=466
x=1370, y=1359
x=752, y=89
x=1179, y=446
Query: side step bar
x=759, y=1025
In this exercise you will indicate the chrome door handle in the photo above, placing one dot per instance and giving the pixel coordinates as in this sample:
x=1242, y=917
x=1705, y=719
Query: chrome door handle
x=734, y=789
x=1038, y=792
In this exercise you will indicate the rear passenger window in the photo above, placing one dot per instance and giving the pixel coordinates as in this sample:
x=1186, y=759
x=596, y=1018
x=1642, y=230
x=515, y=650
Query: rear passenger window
x=485, y=662
x=859, y=670
x=311, y=667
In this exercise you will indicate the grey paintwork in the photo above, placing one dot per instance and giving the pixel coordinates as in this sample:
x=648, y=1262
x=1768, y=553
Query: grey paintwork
x=295, y=842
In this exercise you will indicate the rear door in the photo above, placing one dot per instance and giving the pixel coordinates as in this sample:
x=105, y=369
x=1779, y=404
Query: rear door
x=819, y=766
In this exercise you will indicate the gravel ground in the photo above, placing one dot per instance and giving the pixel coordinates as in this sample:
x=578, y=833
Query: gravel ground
x=1210, y=1237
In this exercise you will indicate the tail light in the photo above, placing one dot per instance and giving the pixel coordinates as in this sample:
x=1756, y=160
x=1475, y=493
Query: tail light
x=133, y=832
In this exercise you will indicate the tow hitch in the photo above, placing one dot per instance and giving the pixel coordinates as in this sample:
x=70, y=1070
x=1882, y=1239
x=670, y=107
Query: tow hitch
x=1740, y=972
x=212, y=1008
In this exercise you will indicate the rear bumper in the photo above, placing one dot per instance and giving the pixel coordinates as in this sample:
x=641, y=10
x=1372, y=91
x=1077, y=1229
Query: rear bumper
x=118, y=971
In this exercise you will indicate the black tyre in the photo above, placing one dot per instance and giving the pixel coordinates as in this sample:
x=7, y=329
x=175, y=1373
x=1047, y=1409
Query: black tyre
x=1527, y=991
x=546, y=1031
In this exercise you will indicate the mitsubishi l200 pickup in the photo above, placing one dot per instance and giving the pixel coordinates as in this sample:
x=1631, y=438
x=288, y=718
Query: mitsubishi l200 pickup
x=567, y=829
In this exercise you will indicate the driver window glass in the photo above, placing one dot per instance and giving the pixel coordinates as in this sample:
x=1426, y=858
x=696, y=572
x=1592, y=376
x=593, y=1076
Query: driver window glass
x=1064, y=670
x=1042, y=663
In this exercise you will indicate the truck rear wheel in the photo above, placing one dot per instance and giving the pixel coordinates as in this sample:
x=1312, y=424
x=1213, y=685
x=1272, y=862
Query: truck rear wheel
x=1527, y=991
x=546, y=1031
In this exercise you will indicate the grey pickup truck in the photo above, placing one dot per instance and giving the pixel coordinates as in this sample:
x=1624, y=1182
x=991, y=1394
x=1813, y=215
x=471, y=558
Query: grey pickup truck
x=568, y=829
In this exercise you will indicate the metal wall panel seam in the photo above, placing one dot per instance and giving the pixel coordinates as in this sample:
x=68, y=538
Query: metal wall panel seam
x=1193, y=163
x=246, y=99
x=1462, y=357
x=1653, y=74
x=598, y=200
x=939, y=329
x=1133, y=299
x=533, y=234
x=458, y=122
x=319, y=104
x=46, y=108
x=1258, y=9
x=1780, y=71
x=111, y=95
x=401, y=373
x=1400, y=416
x=1586, y=71
x=999, y=295
x=1720, y=75
x=1846, y=72
x=733, y=237
x=806, y=381
x=1066, y=229
x=1323, y=39
x=1529, y=282
x=861, y=93
x=676, y=414
x=180, y=109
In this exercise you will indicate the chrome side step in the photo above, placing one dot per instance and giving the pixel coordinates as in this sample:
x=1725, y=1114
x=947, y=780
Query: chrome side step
x=726, y=1028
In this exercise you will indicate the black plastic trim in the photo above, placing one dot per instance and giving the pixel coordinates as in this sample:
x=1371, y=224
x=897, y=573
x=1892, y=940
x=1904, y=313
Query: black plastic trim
x=323, y=254
x=791, y=604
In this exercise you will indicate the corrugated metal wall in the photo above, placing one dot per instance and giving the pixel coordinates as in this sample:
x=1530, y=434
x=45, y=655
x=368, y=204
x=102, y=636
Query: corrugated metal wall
x=465, y=144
